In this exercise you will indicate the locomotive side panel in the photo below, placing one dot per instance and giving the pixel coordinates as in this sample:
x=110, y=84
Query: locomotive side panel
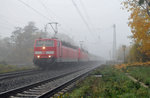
x=83, y=56
x=69, y=54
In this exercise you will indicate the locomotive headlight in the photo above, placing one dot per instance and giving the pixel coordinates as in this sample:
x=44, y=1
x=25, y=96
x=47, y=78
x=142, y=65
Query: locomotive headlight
x=43, y=47
x=49, y=56
x=38, y=56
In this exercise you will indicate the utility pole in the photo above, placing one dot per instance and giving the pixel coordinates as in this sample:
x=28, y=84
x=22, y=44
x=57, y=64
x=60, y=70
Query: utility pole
x=124, y=49
x=110, y=54
x=114, y=43
x=45, y=28
x=81, y=44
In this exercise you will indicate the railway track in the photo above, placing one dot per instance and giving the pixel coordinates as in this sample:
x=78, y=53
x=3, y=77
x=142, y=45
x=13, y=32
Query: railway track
x=46, y=88
x=18, y=74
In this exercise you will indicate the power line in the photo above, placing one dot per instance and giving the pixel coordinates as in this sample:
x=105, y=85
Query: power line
x=34, y=9
x=8, y=18
x=86, y=14
x=48, y=10
x=6, y=23
x=85, y=11
x=4, y=26
x=83, y=19
x=114, y=42
x=56, y=17
x=5, y=29
x=44, y=6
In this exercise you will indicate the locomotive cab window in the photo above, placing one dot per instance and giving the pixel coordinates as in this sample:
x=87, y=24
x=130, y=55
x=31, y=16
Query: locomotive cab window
x=48, y=43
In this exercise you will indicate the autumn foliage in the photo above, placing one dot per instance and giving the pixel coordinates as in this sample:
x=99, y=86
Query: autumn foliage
x=124, y=66
x=139, y=22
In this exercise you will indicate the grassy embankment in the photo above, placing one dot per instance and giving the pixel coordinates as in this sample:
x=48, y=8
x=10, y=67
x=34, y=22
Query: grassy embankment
x=141, y=73
x=113, y=84
x=12, y=68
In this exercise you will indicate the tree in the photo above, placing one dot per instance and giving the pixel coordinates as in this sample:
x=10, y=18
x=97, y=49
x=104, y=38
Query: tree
x=16, y=35
x=139, y=22
x=22, y=40
x=147, y=3
x=18, y=48
x=5, y=48
x=135, y=55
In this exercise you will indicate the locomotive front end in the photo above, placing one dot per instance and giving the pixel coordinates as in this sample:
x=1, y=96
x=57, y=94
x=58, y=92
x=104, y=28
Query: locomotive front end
x=44, y=52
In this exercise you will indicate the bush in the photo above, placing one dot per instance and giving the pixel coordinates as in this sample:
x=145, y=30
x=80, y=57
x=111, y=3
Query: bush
x=3, y=62
x=113, y=84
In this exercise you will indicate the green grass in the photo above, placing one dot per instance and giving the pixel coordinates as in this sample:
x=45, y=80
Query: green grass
x=141, y=73
x=12, y=68
x=113, y=84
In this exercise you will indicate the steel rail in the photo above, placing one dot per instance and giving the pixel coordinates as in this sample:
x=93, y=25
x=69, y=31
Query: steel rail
x=15, y=91
x=17, y=74
x=64, y=85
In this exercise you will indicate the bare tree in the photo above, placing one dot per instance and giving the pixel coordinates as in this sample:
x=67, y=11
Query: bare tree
x=19, y=47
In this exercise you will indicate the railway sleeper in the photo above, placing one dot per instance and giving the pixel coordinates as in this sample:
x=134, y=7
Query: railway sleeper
x=53, y=87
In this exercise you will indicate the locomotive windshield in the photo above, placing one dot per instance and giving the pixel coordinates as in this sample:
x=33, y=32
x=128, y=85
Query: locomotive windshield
x=48, y=43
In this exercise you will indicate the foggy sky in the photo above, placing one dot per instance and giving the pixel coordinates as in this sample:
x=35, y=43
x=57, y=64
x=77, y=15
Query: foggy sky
x=102, y=15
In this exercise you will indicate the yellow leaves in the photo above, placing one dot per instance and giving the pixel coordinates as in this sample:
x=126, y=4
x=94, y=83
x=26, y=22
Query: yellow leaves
x=124, y=66
x=130, y=4
x=121, y=66
x=139, y=22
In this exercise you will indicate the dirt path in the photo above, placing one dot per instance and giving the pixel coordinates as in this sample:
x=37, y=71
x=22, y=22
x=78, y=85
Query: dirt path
x=133, y=79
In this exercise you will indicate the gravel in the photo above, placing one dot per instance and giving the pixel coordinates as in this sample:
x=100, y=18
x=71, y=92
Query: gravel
x=16, y=82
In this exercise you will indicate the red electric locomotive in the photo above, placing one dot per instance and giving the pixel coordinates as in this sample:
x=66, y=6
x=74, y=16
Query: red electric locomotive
x=50, y=51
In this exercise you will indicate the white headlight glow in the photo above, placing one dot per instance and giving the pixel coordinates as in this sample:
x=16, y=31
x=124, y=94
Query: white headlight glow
x=43, y=47
x=38, y=56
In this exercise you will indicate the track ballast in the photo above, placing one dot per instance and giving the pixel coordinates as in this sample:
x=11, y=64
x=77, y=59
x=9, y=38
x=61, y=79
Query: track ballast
x=48, y=87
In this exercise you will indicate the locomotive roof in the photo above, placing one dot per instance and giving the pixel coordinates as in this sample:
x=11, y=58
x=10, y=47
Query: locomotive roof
x=46, y=39
x=67, y=44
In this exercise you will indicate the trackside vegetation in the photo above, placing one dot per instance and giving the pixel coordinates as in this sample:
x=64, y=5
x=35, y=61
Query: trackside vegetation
x=13, y=68
x=140, y=71
x=114, y=83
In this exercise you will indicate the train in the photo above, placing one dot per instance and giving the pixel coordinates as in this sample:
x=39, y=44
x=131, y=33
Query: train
x=51, y=51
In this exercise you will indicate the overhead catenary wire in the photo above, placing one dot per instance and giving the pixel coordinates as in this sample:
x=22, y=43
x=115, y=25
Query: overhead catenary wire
x=36, y=11
x=5, y=26
x=6, y=18
x=6, y=23
x=56, y=17
x=45, y=7
x=5, y=29
x=49, y=18
x=87, y=15
x=85, y=11
x=82, y=17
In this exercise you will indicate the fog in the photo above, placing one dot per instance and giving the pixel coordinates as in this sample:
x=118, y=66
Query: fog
x=87, y=21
